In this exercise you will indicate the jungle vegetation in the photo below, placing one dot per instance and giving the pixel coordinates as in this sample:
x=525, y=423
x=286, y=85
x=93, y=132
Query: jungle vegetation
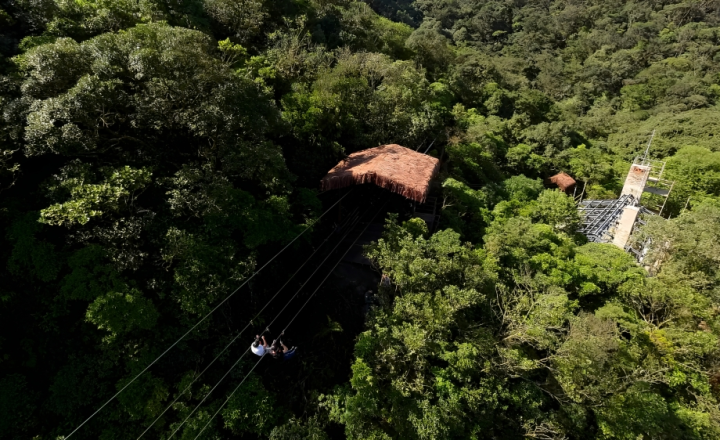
x=153, y=153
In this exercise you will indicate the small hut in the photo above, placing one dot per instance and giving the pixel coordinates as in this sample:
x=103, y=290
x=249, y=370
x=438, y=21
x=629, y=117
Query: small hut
x=563, y=182
x=393, y=167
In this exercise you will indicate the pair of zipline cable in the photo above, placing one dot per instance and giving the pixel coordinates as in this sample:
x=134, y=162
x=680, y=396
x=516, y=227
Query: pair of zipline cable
x=274, y=319
x=204, y=318
x=313, y=274
x=291, y=321
x=333, y=269
x=350, y=217
x=279, y=313
x=230, y=396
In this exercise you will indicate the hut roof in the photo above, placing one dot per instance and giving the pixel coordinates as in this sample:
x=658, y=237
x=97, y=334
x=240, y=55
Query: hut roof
x=393, y=167
x=563, y=181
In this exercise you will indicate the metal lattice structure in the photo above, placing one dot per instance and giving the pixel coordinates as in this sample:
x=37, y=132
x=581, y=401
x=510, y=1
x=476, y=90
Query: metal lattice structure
x=614, y=221
x=601, y=216
x=639, y=249
x=655, y=183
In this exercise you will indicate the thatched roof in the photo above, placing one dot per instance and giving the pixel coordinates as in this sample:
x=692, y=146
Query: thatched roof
x=563, y=181
x=393, y=167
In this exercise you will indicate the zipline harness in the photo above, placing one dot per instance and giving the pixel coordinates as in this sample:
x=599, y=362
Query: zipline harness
x=248, y=325
x=288, y=325
x=204, y=318
x=271, y=323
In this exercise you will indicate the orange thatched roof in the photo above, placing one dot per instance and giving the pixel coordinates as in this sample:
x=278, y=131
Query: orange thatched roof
x=392, y=167
x=563, y=181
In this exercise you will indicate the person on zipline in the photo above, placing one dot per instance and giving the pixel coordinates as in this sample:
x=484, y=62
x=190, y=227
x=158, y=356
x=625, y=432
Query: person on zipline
x=280, y=351
x=258, y=348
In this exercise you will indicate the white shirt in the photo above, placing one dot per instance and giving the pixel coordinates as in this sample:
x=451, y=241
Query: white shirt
x=259, y=350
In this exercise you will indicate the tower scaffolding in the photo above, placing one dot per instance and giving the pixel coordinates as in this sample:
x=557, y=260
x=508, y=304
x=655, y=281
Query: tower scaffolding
x=639, y=246
x=601, y=216
x=646, y=176
x=655, y=183
x=615, y=220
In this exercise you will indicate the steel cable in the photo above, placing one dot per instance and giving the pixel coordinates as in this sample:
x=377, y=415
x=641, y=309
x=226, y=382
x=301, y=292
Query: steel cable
x=288, y=325
x=203, y=319
x=246, y=351
x=248, y=325
x=336, y=264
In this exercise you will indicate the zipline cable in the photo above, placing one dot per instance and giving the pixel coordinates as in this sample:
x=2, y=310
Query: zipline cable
x=333, y=269
x=204, y=318
x=248, y=325
x=430, y=146
x=296, y=293
x=231, y=394
x=246, y=351
x=291, y=321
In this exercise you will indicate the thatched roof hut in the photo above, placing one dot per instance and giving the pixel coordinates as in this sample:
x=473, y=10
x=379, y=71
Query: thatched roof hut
x=563, y=181
x=393, y=167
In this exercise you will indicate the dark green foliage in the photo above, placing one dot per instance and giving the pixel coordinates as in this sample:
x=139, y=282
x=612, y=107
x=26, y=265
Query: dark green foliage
x=558, y=210
x=154, y=154
x=29, y=254
x=604, y=269
x=76, y=387
x=473, y=163
x=16, y=405
x=88, y=277
x=364, y=99
x=521, y=188
x=425, y=320
x=465, y=209
x=296, y=430
x=252, y=409
x=398, y=10
x=545, y=354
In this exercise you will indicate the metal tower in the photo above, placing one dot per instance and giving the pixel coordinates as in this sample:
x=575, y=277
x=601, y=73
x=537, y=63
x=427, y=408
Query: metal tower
x=613, y=221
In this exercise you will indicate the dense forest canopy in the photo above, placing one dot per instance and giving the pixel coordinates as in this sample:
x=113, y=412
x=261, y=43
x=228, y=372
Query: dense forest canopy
x=155, y=153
